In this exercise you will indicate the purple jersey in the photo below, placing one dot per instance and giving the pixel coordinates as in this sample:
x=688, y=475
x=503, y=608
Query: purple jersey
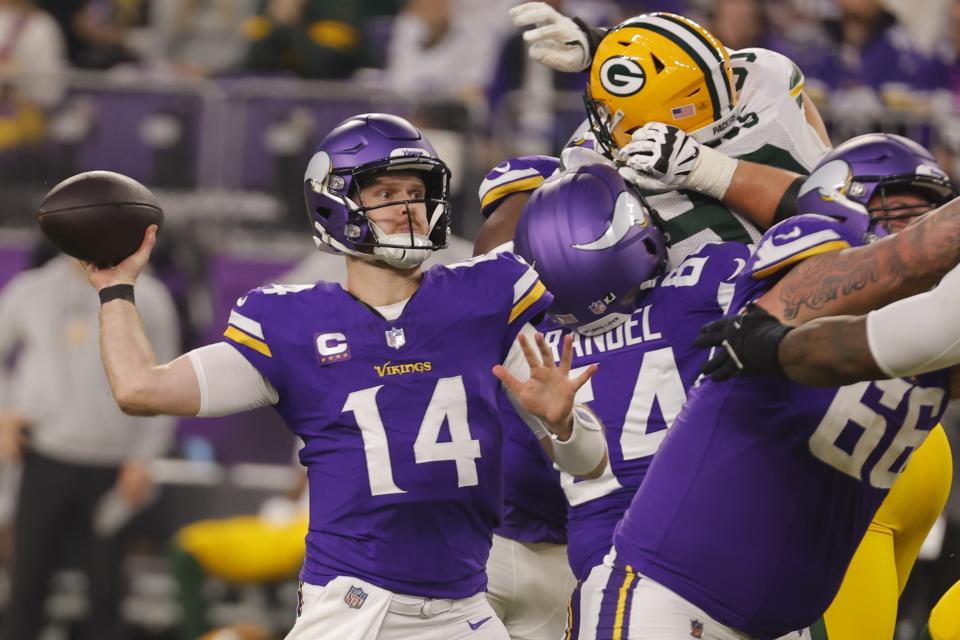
x=399, y=418
x=534, y=508
x=759, y=496
x=646, y=366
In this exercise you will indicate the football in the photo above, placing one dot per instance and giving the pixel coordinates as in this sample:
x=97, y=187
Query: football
x=98, y=216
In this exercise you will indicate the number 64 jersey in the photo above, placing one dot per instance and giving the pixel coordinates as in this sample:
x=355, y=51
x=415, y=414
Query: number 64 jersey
x=399, y=418
x=761, y=491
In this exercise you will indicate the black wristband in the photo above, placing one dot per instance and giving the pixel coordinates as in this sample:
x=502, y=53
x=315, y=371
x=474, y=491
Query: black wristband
x=117, y=292
x=788, y=203
x=594, y=35
x=765, y=356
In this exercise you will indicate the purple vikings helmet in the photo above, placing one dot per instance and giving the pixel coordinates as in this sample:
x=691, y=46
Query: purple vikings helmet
x=592, y=239
x=359, y=148
x=876, y=164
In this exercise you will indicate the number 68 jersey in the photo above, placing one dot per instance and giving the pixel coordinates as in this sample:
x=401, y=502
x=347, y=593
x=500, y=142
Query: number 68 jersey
x=399, y=418
x=762, y=490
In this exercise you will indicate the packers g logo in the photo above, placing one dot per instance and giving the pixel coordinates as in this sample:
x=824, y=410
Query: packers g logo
x=622, y=76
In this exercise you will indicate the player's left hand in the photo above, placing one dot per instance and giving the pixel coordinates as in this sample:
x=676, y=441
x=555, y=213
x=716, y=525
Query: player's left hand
x=134, y=483
x=659, y=157
x=748, y=342
x=549, y=392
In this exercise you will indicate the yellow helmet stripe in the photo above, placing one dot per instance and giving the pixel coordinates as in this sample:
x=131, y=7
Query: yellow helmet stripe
x=681, y=42
x=713, y=49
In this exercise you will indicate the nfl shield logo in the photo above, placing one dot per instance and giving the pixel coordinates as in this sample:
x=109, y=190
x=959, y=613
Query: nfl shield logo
x=598, y=307
x=696, y=628
x=395, y=338
x=355, y=597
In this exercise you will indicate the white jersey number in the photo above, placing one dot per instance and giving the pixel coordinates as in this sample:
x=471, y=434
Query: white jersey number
x=848, y=407
x=449, y=402
x=658, y=381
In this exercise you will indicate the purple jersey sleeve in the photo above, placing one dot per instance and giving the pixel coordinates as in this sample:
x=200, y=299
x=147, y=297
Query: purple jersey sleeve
x=530, y=297
x=785, y=245
x=252, y=328
x=516, y=175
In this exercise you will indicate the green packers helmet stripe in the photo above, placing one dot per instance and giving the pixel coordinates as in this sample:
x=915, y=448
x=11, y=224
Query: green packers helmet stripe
x=711, y=49
x=696, y=57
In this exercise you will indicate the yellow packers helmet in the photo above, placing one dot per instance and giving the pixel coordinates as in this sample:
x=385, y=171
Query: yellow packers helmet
x=659, y=67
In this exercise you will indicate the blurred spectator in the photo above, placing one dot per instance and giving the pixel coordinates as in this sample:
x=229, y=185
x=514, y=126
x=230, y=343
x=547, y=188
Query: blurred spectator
x=310, y=38
x=106, y=32
x=533, y=86
x=64, y=12
x=200, y=37
x=84, y=462
x=927, y=26
x=945, y=107
x=870, y=49
x=437, y=51
x=31, y=71
x=630, y=8
x=740, y=24
x=948, y=56
x=796, y=30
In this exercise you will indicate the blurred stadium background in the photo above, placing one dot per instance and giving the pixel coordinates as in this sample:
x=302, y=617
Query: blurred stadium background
x=218, y=104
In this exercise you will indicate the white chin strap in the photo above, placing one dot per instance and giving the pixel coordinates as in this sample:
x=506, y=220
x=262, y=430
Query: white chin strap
x=402, y=257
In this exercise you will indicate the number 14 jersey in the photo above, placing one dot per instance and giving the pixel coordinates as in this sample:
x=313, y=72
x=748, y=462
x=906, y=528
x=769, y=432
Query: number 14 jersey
x=399, y=418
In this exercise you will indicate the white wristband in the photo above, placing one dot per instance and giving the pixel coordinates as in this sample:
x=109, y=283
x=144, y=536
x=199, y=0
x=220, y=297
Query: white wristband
x=583, y=451
x=712, y=173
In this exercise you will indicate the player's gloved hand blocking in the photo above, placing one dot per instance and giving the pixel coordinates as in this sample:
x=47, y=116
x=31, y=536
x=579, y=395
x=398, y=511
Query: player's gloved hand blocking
x=749, y=343
x=549, y=391
x=556, y=41
x=659, y=157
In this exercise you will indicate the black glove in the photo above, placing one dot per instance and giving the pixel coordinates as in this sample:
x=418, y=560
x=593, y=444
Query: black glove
x=748, y=342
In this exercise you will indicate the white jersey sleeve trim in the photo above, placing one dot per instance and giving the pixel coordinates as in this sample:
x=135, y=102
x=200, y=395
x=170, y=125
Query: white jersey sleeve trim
x=228, y=382
x=242, y=322
x=918, y=334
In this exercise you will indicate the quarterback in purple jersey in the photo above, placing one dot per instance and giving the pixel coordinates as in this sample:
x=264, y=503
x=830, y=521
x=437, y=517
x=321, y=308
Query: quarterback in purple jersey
x=391, y=382
x=762, y=490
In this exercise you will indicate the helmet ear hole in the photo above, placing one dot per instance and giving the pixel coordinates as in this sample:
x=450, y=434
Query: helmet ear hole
x=651, y=246
x=658, y=66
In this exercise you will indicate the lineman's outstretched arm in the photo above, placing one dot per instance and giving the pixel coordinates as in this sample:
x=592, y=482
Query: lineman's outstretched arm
x=824, y=352
x=855, y=281
x=909, y=337
x=764, y=194
x=661, y=157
